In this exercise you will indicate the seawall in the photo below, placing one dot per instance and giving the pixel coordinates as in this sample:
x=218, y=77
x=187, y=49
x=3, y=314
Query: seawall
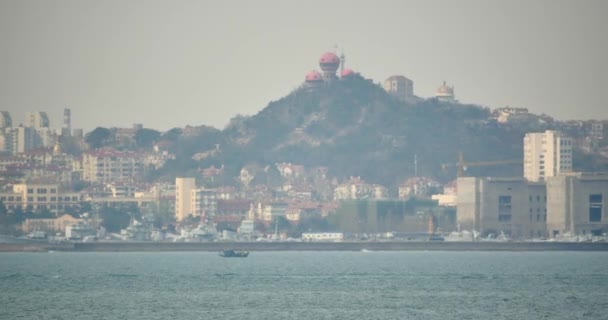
x=306, y=246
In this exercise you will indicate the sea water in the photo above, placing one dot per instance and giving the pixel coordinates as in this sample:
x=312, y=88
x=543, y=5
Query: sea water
x=305, y=285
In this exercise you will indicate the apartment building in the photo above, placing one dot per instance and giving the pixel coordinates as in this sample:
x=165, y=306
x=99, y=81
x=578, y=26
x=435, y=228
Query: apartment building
x=109, y=165
x=546, y=154
x=39, y=196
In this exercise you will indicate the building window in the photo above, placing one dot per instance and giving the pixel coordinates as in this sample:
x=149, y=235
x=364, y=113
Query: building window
x=595, y=208
x=504, y=208
x=31, y=190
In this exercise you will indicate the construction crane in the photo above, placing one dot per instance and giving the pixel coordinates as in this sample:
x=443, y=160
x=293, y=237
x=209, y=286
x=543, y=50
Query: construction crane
x=462, y=166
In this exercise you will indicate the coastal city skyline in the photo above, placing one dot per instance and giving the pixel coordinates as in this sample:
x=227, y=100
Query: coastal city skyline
x=322, y=159
x=116, y=64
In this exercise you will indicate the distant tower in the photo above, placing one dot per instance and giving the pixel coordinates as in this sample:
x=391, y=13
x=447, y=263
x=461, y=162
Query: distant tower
x=66, y=130
x=342, y=62
x=400, y=87
x=445, y=93
x=329, y=63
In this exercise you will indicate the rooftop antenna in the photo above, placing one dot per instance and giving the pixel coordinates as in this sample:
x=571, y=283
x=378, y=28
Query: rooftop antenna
x=342, y=58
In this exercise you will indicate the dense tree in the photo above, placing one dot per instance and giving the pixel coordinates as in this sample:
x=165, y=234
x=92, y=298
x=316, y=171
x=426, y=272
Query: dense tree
x=145, y=138
x=98, y=138
x=172, y=135
x=116, y=218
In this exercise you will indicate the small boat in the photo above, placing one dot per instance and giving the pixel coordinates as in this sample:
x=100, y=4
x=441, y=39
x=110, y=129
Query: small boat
x=234, y=254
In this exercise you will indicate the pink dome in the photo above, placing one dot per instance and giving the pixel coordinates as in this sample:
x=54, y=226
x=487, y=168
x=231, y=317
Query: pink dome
x=313, y=76
x=329, y=62
x=347, y=73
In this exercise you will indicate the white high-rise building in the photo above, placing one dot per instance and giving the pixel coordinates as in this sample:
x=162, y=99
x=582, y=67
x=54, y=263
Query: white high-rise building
x=37, y=120
x=183, y=197
x=546, y=154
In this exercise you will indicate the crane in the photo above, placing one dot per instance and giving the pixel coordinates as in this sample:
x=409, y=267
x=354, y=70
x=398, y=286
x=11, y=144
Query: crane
x=462, y=166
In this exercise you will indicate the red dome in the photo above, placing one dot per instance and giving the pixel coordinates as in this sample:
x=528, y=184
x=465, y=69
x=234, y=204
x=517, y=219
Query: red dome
x=347, y=73
x=313, y=76
x=329, y=62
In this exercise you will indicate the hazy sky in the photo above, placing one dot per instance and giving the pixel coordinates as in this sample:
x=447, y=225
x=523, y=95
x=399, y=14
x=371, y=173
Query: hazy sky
x=174, y=63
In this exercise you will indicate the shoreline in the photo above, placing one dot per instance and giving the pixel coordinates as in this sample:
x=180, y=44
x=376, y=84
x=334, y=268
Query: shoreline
x=302, y=246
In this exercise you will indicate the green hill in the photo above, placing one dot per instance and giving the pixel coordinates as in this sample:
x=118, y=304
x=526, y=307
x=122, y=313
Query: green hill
x=355, y=128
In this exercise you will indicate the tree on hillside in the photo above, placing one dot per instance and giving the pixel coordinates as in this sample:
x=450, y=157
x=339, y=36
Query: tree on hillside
x=172, y=135
x=98, y=137
x=114, y=219
x=145, y=138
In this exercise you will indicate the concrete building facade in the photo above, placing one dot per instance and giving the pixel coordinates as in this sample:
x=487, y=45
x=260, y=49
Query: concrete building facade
x=203, y=201
x=493, y=205
x=108, y=165
x=183, y=194
x=400, y=87
x=40, y=196
x=577, y=204
x=546, y=154
x=573, y=203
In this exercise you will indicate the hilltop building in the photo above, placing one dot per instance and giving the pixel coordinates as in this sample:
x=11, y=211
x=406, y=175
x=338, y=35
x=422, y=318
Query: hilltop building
x=400, y=87
x=546, y=154
x=313, y=79
x=510, y=114
x=329, y=64
x=347, y=73
x=445, y=93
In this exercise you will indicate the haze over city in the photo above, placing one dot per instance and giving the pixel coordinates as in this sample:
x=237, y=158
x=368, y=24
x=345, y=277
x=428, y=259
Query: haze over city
x=165, y=65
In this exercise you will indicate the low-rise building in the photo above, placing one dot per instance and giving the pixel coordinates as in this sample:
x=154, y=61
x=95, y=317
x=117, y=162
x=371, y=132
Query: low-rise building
x=573, y=203
x=577, y=204
x=54, y=225
x=40, y=196
x=510, y=205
